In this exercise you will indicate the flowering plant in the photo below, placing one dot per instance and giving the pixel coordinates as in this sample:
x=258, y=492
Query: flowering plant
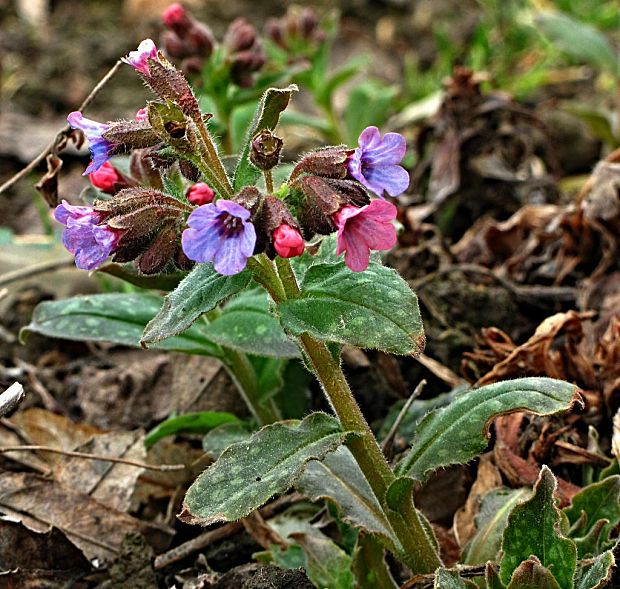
x=256, y=275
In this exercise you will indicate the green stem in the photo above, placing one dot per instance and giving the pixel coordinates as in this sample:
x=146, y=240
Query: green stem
x=214, y=163
x=418, y=550
x=268, y=181
x=243, y=374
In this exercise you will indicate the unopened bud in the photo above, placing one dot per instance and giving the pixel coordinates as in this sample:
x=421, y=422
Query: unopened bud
x=288, y=241
x=200, y=38
x=108, y=179
x=265, y=150
x=175, y=17
x=273, y=30
x=329, y=162
x=174, y=45
x=200, y=194
x=240, y=36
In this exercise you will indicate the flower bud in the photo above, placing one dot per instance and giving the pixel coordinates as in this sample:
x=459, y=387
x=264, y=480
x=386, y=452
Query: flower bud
x=240, y=36
x=108, y=179
x=330, y=162
x=174, y=45
x=273, y=30
x=175, y=17
x=200, y=194
x=265, y=150
x=288, y=242
x=200, y=38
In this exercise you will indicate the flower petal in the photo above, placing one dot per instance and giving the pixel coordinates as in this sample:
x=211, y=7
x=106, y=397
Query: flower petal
x=391, y=151
x=393, y=179
x=369, y=138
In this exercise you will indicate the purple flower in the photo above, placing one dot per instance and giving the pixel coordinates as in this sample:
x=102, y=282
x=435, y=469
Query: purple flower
x=375, y=162
x=363, y=229
x=221, y=233
x=88, y=241
x=100, y=148
x=139, y=59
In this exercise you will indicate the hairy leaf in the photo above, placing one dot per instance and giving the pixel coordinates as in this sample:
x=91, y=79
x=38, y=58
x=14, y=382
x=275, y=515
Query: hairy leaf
x=128, y=273
x=338, y=478
x=116, y=318
x=459, y=432
x=225, y=435
x=273, y=102
x=200, y=291
x=597, y=575
x=534, y=530
x=246, y=324
x=200, y=422
x=445, y=579
x=530, y=573
x=326, y=564
x=247, y=474
x=597, y=501
x=495, y=508
x=371, y=309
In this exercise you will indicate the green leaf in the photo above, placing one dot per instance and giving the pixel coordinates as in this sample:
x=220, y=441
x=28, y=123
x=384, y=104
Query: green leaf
x=599, y=573
x=530, y=574
x=248, y=474
x=495, y=508
x=246, y=324
x=326, y=565
x=190, y=423
x=370, y=309
x=369, y=566
x=491, y=576
x=578, y=40
x=225, y=435
x=200, y=291
x=459, y=432
x=339, y=77
x=268, y=375
x=338, y=479
x=128, y=273
x=445, y=579
x=273, y=102
x=597, y=501
x=533, y=530
x=593, y=543
x=116, y=318
x=369, y=104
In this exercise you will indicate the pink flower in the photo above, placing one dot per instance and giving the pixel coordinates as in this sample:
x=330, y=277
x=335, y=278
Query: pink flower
x=200, y=194
x=142, y=115
x=287, y=241
x=363, y=229
x=139, y=60
x=107, y=179
x=175, y=17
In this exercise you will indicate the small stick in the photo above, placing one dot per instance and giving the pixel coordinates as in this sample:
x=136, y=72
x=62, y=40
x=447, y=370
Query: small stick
x=386, y=445
x=160, y=467
x=39, y=158
x=34, y=270
x=11, y=398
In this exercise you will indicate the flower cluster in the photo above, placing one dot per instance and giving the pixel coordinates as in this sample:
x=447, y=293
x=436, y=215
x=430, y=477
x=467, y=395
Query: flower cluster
x=331, y=190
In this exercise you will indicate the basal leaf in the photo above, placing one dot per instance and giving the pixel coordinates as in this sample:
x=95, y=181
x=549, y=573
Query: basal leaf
x=495, y=508
x=369, y=566
x=598, y=574
x=248, y=474
x=445, y=579
x=338, y=479
x=199, y=422
x=370, y=309
x=534, y=530
x=326, y=564
x=273, y=102
x=246, y=324
x=530, y=573
x=491, y=576
x=200, y=291
x=597, y=501
x=116, y=318
x=128, y=273
x=225, y=435
x=459, y=432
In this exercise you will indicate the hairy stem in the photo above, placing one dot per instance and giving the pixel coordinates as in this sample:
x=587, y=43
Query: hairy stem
x=418, y=551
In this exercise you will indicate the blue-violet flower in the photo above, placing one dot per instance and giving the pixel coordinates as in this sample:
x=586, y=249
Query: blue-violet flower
x=139, y=59
x=363, y=229
x=88, y=241
x=100, y=148
x=375, y=162
x=220, y=232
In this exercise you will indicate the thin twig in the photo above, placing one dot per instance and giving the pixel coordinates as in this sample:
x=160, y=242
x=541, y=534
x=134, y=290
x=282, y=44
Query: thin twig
x=11, y=398
x=386, y=445
x=159, y=467
x=48, y=149
x=34, y=270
